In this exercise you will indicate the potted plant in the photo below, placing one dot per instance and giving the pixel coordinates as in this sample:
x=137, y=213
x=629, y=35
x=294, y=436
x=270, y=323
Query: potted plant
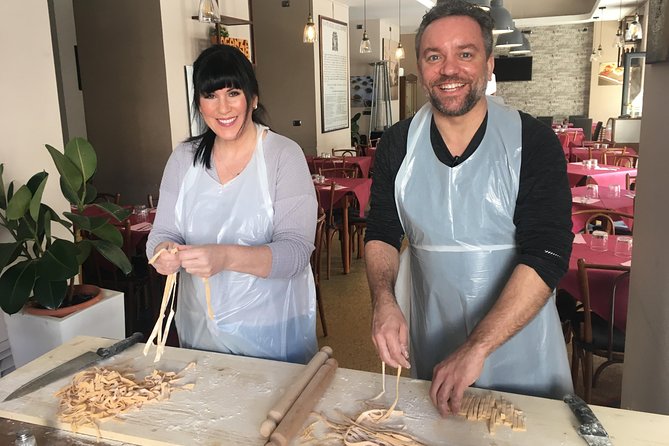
x=355, y=129
x=222, y=32
x=37, y=266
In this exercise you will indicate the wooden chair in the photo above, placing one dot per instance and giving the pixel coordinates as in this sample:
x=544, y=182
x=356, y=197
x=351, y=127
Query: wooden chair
x=103, y=197
x=630, y=182
x=626, y=160
x=316, y=265
x=351, y=151
x=152, y=200
x=593, y=334
x=611, y=154
x=601, y=219
x=339, y=172
x=334, y=224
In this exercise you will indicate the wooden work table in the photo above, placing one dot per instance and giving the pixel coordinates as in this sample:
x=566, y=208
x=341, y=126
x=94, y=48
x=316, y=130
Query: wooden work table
x=232, y=396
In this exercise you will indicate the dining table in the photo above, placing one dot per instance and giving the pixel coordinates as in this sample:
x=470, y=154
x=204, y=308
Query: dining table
x=607, y=198
x=363, y=163
x=584, y=153
x=601, y=281
x=603, y=175
x=344, y=189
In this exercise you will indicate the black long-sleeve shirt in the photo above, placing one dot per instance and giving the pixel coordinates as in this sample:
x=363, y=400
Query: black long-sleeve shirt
x=543, y=207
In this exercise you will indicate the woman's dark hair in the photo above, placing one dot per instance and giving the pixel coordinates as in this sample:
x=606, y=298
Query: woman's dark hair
x=222, y=66
x=448, y=8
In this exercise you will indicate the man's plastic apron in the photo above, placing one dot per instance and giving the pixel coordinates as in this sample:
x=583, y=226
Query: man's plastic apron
x=266, y=318
x=459, y=222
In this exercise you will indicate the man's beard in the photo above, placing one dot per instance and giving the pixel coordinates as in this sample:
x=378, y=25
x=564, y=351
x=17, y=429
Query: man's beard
x=475, y=94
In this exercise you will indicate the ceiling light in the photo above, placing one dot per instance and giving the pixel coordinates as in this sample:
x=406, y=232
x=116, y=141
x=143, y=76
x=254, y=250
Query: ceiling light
x=310, y=34
x=365, y=46
x=510, y=40
x=502, y=18
x=523, y=49
x=399, y=52
x=208, y=12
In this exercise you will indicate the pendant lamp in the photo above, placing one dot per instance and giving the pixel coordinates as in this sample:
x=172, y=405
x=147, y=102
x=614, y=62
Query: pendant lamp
x=502, y=18
x=510, y=40
x=399, y=52
x=365, y=45
x=619, y=40
x=310, y=34
x=208, y=11
x=597, y=53
x=523, y=49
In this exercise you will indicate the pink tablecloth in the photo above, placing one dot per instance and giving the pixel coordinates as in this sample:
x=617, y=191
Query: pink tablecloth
x=624, y=202
x=360, y=187
x=364, y=163
x=601, y=282
x=602, y=175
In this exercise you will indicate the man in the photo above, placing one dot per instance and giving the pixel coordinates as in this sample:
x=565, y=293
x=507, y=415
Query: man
x=481, y=193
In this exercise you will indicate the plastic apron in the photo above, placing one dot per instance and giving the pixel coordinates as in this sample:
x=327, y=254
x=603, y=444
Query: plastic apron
x=265, y=318
x=459, y=223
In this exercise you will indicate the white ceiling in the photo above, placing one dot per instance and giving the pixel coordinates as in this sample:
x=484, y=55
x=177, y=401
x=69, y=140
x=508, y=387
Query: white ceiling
x=526, y=13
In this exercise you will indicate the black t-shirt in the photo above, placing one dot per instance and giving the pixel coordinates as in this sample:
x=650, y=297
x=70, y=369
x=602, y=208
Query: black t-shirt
x=543, y=208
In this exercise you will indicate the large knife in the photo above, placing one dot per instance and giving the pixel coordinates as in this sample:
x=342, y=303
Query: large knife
x=591, y=430
x=74, y=365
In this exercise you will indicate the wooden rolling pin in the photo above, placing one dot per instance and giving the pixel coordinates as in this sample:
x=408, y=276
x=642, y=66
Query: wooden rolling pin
x=298, y=413
x=277, y=412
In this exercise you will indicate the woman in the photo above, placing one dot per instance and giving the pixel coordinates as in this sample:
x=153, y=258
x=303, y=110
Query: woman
x=238, y=204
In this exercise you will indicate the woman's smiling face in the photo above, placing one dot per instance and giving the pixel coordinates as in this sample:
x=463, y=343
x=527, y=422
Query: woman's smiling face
x=225, y=112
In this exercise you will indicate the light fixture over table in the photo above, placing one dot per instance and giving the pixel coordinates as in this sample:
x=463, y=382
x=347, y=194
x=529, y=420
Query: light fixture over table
x=365, y=45
x=399, y=52
x=310, y=34
x=208, y=12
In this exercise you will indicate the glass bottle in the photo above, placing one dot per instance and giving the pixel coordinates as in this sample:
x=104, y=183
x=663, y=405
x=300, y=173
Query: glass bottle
x=25, y=438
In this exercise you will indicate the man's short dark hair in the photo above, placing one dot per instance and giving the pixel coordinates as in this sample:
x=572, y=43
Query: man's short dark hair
x=448, y=8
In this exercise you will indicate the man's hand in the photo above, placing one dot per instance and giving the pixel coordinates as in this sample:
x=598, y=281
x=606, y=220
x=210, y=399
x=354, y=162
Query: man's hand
x=453, y=375
x=390, y=333
x=202, y=260
x=166, y=263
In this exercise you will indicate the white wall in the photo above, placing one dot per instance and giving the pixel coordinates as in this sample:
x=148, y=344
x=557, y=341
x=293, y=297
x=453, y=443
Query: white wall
x=604, y=99
x=30, y=116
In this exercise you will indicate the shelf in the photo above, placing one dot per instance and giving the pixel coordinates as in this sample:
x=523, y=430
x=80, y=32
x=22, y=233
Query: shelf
x=229, y=21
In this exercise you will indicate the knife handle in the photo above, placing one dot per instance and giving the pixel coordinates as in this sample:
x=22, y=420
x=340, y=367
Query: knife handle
x=580, y=409
x=106, y=352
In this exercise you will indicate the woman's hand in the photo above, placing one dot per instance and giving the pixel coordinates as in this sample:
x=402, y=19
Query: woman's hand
x=167, y=263
x=202, y=260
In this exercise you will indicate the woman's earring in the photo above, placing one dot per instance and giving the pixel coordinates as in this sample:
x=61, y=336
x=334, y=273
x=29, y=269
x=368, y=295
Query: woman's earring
x=255, y=106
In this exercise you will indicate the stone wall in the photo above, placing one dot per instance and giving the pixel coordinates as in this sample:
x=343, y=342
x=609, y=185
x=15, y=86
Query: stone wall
x=560, y=84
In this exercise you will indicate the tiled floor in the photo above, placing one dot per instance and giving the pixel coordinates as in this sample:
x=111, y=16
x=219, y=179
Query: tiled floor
x=348, y=316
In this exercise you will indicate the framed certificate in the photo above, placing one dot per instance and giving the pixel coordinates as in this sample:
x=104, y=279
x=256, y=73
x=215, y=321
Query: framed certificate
x=334, y=74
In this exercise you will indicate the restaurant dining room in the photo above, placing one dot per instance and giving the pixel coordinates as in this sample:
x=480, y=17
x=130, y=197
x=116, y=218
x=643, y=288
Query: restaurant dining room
x=279, y=227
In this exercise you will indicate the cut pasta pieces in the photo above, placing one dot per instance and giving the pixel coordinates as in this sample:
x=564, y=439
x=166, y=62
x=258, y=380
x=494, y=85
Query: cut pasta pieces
x=494, y=411
x=98, y=394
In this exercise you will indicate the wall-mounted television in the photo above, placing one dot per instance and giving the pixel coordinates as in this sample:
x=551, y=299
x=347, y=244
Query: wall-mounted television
x=513, y=69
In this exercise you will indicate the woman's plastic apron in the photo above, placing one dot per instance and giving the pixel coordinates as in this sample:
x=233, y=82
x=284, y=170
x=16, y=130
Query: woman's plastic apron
x=459, y=222
x=266, y=318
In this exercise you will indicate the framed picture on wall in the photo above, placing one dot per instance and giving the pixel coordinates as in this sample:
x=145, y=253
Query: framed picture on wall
x=334, y=74
x=393, y=67
x=195, y=124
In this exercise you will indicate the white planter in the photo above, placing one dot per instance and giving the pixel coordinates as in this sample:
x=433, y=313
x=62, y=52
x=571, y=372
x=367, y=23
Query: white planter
x=31, y=336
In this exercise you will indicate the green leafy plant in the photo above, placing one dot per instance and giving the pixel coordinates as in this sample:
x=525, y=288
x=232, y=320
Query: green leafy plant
x=38, y=265
x=223, y=32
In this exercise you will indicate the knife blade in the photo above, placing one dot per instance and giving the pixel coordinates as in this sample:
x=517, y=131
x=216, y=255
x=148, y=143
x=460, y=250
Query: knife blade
x=74, y=365
x=591, y=430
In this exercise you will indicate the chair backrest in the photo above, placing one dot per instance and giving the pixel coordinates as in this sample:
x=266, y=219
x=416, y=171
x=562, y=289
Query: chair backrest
x=584, y=286
x=339, y=172
x=630, y=182
x=601, y=219
x=548, y=120
x=598, y=131
x=627, y=160
x=152, y=200
x=327, y=163
x=610, y=154
x=351, y=151
x=318, y=243
x=585, y=124
x=104, y=197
